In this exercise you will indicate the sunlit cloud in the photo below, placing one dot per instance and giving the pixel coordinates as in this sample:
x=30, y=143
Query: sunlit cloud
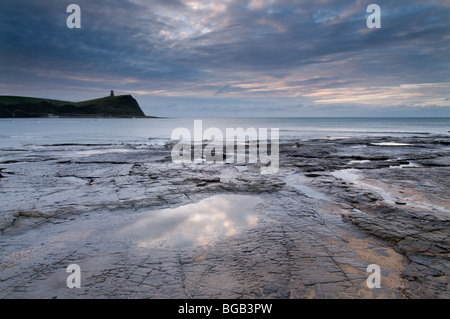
x=422, y=94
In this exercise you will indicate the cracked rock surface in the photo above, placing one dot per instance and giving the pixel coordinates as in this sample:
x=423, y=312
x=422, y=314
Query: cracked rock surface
x=140, y=226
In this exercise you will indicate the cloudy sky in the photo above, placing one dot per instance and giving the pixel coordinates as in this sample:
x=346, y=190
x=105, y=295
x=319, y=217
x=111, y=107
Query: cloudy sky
x=233, y=57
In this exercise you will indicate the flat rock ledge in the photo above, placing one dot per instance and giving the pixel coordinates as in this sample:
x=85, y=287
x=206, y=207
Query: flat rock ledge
x=334, y=207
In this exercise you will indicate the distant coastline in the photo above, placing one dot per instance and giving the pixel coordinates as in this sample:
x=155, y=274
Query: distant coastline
x=121, y=106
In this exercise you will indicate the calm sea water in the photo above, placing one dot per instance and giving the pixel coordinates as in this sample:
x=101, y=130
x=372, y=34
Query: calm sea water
x=16, y=132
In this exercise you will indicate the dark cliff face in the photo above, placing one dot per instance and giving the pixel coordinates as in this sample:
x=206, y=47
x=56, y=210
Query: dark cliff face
x=117, y=106
x=111, y=106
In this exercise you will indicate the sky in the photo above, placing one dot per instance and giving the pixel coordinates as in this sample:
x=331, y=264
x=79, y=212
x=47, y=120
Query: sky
x=249, y=58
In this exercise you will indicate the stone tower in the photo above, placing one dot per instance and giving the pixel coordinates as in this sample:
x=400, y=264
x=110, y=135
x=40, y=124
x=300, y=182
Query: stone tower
x=112, y=93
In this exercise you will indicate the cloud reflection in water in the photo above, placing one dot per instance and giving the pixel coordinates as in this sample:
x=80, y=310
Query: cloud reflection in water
x=194, y=224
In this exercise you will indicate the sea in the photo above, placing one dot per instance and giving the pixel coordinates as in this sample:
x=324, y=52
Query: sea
x=50, y=131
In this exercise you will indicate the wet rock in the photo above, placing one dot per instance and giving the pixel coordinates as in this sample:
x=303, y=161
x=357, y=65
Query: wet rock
x=313, y=174
x=304, y=244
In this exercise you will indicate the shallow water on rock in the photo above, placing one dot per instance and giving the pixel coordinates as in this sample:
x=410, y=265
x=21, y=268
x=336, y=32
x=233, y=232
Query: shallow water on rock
x=75, y=179
x=348, y=175
x=390, y=144
x=194, y=224
x=299, y=181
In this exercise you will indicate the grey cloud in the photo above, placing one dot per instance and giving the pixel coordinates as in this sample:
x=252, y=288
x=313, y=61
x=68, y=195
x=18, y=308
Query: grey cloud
x=325, y=44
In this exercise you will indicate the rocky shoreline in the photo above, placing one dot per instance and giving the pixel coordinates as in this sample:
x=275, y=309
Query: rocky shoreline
x=334, y=207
